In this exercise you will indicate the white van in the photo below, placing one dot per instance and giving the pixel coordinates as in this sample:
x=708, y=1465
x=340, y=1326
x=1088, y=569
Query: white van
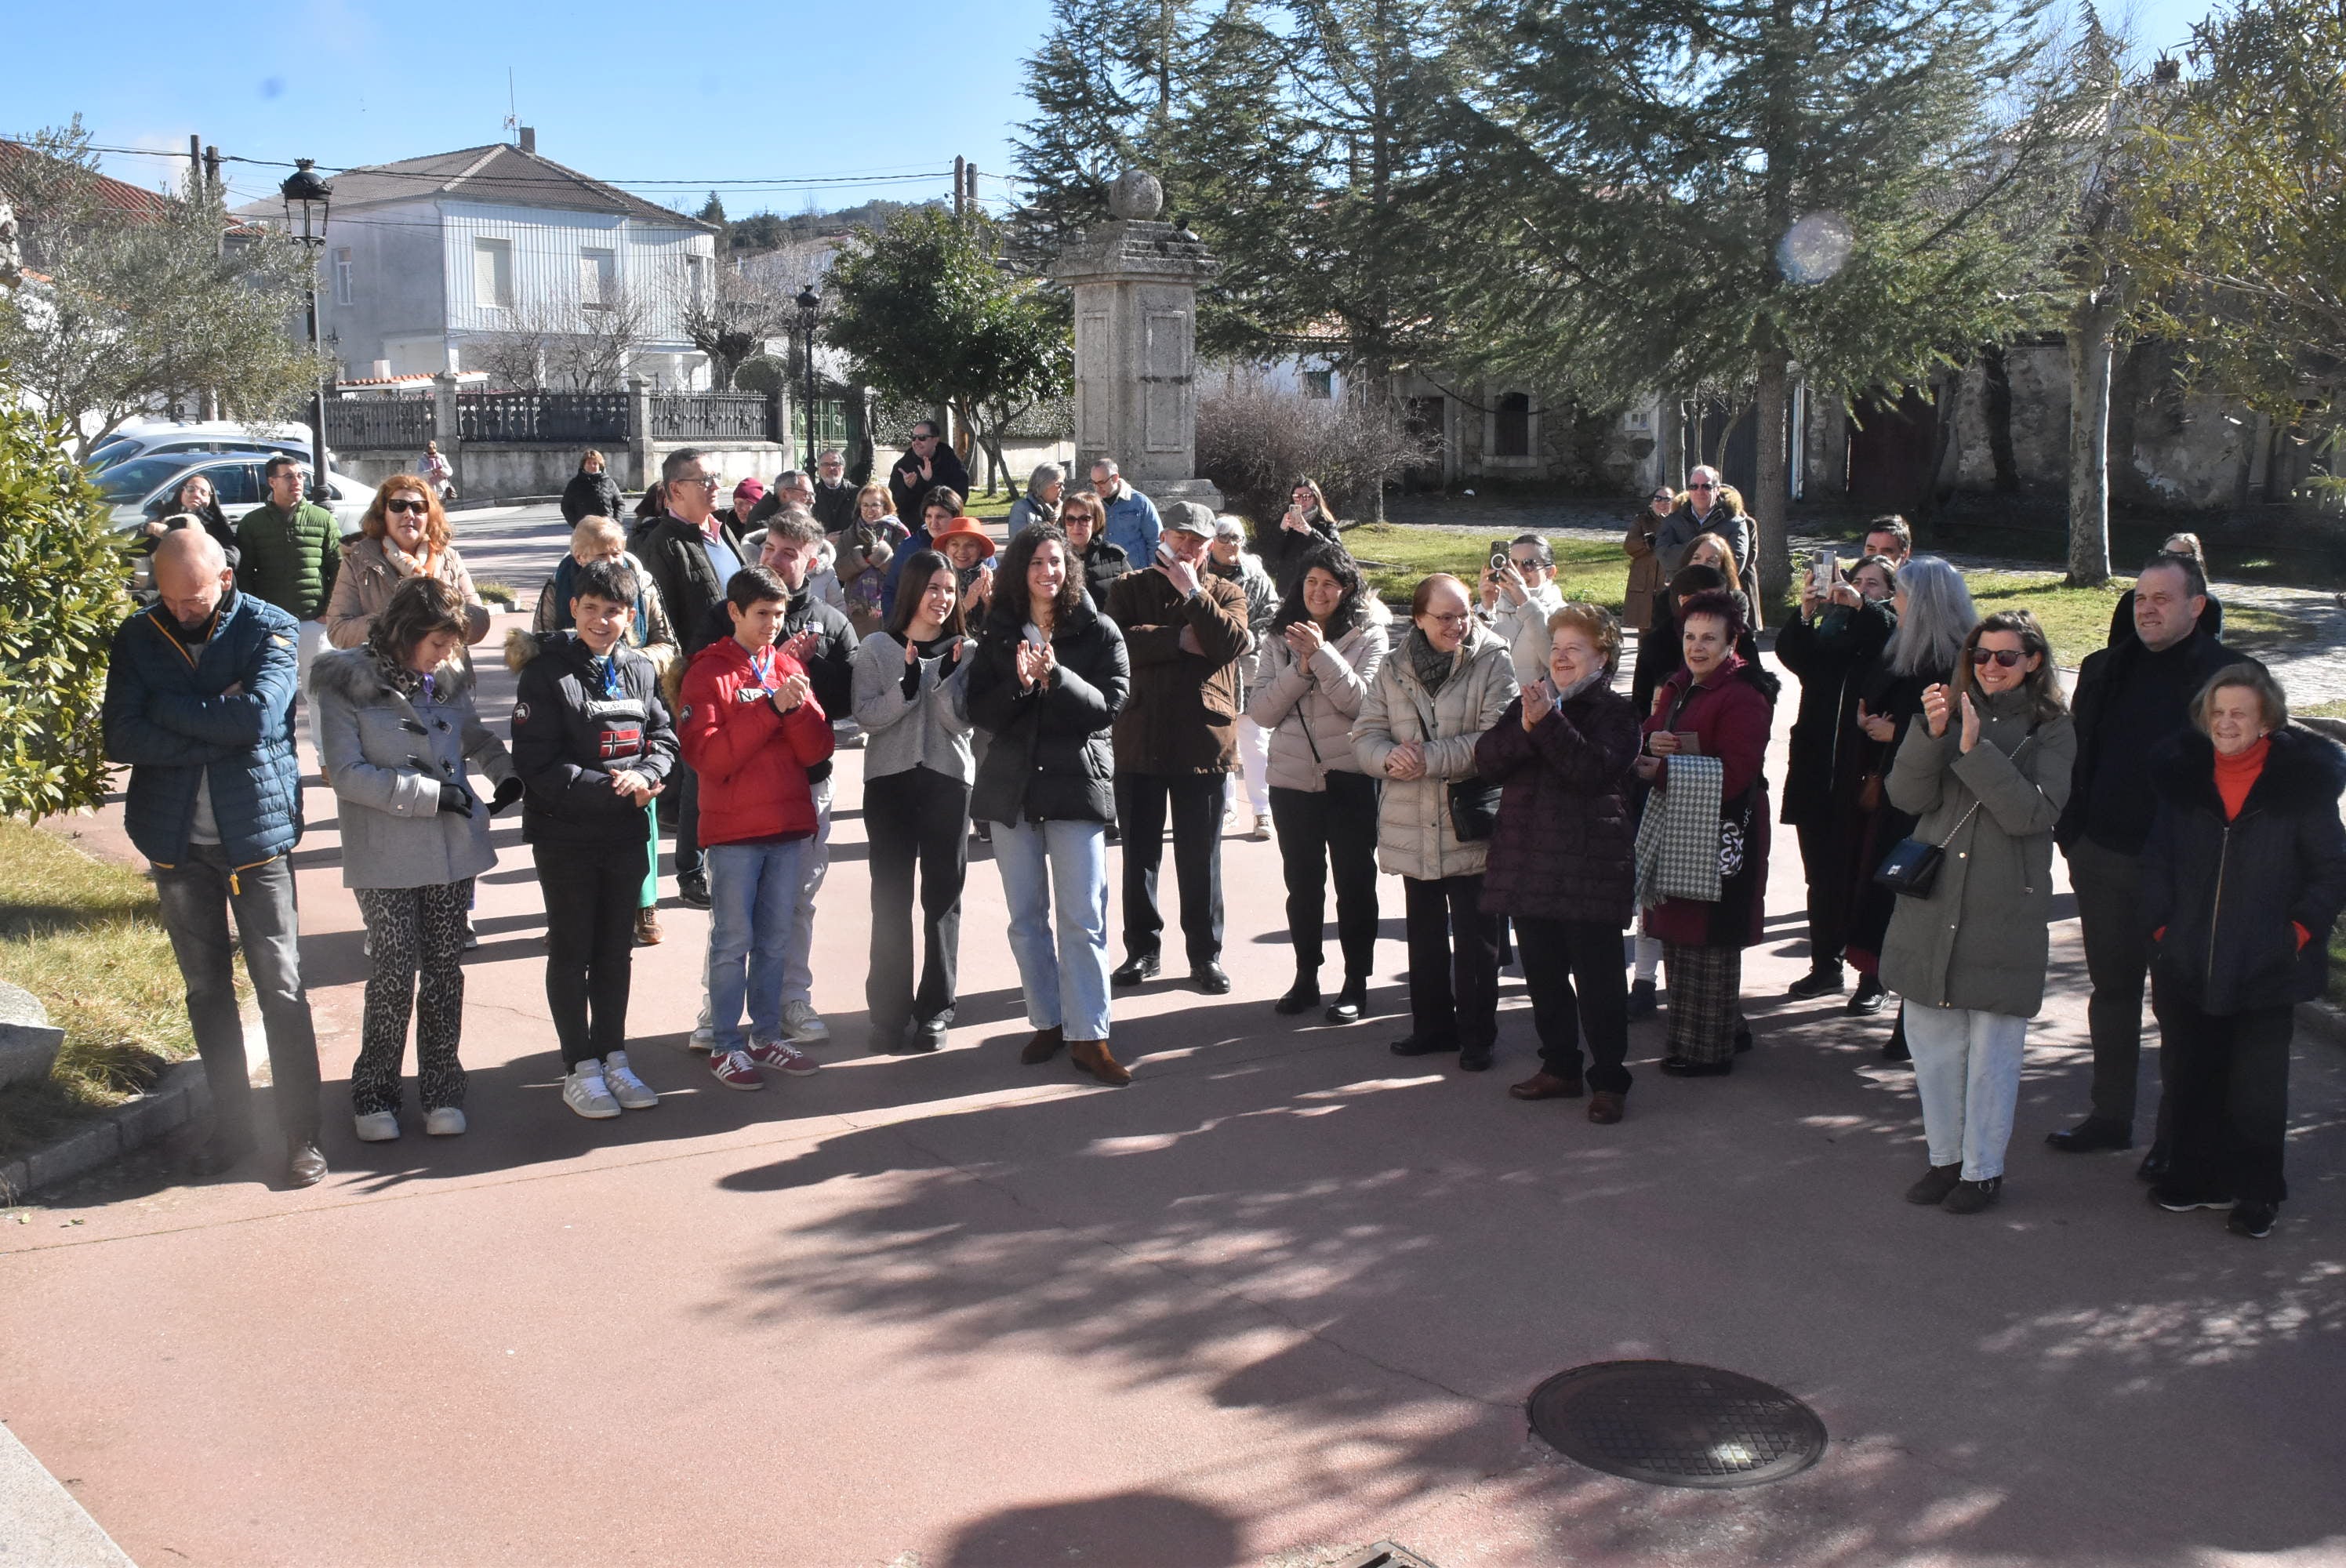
x=198, y=438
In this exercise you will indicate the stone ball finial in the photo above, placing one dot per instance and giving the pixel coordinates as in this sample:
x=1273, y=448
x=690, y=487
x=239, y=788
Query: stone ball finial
x=1137, y=194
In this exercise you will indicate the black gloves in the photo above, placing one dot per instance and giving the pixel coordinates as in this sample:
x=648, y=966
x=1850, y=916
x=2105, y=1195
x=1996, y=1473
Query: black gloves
x=454, y=798
x=507, y=793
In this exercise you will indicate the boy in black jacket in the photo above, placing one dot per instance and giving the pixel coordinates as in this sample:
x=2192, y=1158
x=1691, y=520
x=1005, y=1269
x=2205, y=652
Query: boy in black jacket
x=593, y=744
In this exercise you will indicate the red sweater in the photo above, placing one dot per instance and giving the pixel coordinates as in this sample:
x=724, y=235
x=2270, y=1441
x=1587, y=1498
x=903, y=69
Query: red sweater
x=751, y=760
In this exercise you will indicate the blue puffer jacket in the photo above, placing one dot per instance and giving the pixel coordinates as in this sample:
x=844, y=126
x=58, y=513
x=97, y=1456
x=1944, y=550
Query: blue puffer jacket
x=166, y=717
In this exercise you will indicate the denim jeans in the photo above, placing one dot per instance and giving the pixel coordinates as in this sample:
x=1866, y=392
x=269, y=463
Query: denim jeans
x=196, y=895
x=1067, y=863
x=754, y=891
x=1967, y=1072
x=798, y=965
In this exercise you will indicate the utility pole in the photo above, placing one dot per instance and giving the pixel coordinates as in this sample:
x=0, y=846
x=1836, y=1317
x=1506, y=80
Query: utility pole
x=961, y=173
x=972, y=182
x=196, y=166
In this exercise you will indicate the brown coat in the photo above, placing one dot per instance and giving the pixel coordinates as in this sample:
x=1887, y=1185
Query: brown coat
x=1646, y=579
x=1182, y=714
x=367, y=579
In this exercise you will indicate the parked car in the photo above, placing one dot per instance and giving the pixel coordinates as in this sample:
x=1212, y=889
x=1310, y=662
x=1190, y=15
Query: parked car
x=198, y=438
x=145, y=487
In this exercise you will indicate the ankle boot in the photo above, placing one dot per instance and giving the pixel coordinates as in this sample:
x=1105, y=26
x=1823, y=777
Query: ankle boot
x=1350, y=1002
x=1302, y=996
x=1043, y=1047
x=1092, y=1056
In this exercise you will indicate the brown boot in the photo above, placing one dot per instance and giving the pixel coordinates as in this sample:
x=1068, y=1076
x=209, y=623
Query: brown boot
x=1043, y=1047
x=647, y=928
x=1092, y=1056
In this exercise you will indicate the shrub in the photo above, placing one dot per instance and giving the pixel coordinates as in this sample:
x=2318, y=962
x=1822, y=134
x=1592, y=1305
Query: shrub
x=64, y=589
x=1255, y=441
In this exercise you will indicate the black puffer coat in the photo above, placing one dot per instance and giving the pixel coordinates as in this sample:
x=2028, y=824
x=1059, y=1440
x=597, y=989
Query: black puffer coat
x=1283, y=550
x=1051, y=757
x=1833, y=655
x=1562, y=850
x=2227, y=894
x=591, y=496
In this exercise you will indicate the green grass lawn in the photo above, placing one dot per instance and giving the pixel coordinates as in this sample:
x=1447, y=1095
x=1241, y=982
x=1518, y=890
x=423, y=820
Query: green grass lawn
x=87, y=938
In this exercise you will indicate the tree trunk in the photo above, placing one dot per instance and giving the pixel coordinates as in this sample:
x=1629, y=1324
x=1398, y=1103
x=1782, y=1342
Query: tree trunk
x=1996, y=404
x=2091, y=332
x=1768, y=506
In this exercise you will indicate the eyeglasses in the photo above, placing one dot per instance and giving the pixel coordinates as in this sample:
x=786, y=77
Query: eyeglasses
x=927, y=437
x=1074, y=516
x=2006, y=657
x=710, y=480
x=1702, y=484
x=407, y=504
x=1459, y=619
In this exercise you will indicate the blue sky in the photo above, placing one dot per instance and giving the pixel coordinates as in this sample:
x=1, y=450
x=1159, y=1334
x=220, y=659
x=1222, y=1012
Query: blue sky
x=701, y=92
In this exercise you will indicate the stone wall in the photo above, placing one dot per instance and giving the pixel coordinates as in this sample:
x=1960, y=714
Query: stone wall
x=488, y=470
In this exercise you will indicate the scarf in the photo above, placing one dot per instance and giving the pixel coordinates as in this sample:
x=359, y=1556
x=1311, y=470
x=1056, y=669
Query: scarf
x=405, y=565
x=1432, y=665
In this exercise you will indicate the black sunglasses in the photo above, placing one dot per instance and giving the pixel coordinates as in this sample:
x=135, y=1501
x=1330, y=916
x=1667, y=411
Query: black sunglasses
x=2007, y=657
x=406, y=503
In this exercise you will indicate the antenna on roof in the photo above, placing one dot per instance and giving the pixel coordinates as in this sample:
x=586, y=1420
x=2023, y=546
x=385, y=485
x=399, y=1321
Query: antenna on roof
x=513, y=113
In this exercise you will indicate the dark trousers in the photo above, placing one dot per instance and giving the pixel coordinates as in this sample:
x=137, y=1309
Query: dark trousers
x=591, y=896
x=1194, y=801
x=2225, y=1103
x=1659, y=657
x=197, y=896
x=685, y=784
x=1454, y=962
x=914, y=820
x=1320, y=829
x=2108, y=886
x=1823, y=862
x=1573, y=970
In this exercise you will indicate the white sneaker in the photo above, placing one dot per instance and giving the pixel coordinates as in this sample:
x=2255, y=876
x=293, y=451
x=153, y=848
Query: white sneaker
x=447, y=1121
x=630, y=1091
x=704, y=1038
x=585, y=1092
x=378, y=1127
x=803, y=1024
x=472, y=937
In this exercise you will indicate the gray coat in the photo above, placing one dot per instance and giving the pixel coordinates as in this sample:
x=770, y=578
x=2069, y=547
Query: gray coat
x=386, y=757
x=1979, y=940
x=1309, y=708
x=1415, y=837
x=930, y=731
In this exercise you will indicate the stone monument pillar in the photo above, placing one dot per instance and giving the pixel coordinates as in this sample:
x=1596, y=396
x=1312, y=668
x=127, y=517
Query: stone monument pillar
x=1136, y=281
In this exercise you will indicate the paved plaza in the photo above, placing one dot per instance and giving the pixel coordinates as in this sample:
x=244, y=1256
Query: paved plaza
x=1282, y=1297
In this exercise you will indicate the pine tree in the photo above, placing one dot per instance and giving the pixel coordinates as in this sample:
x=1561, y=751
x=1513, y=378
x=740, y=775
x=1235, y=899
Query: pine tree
x=1655, y=197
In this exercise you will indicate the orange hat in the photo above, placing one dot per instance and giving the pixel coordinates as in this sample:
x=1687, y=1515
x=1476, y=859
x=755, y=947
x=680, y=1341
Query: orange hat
x=962, y=527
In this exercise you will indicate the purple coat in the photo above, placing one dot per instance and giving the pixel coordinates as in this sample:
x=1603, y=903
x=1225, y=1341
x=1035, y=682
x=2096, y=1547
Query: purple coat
x=1562, y=850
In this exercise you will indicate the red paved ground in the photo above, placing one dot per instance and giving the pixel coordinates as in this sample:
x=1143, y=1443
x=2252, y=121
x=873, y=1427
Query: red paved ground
x=1285, y=1293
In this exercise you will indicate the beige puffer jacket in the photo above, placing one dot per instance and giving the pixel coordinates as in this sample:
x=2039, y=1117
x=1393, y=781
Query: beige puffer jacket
x=1414, y=837
x=1309, y=708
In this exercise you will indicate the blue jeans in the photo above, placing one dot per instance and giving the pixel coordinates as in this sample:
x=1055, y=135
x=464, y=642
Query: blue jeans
x=753, y=892
x=798, y=964
x=1042, y=863
x=1967, y=1073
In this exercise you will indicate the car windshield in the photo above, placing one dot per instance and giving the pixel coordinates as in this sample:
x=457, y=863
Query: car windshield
x=109, y=452
x=128, y=481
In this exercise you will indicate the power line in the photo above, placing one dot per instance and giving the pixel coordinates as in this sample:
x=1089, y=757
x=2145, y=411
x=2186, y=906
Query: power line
x=381, y=171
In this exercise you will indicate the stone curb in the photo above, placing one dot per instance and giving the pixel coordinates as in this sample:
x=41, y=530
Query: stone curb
x=178, y=1097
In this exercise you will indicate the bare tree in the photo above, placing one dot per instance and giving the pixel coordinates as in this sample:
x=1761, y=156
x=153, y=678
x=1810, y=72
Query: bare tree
x=1255, y=441
x=734, y=324
x=557, y=348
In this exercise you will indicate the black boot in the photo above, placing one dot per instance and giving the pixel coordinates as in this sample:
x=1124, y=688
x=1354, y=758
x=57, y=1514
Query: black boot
x=1350, y=1002
x=1302, y=997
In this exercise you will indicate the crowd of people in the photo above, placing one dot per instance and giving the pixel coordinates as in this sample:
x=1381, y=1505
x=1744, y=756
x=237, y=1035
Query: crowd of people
x=1111, y=672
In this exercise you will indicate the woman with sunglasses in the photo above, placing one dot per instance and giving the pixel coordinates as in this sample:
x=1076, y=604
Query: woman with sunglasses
x=1986, y=771
x=406, y=536
x=1083, y=517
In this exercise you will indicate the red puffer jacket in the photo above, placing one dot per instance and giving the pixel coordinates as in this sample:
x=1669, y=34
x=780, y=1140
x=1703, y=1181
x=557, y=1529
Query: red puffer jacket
x=751, y=760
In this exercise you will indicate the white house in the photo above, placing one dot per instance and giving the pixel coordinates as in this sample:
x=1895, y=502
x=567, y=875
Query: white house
x=427, y=254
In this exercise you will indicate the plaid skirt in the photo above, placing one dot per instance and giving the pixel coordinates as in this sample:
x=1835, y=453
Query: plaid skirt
x=1705, y=985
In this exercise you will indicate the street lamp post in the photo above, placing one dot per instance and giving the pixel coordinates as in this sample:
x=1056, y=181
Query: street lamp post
x=810, y=304
x=314, y=196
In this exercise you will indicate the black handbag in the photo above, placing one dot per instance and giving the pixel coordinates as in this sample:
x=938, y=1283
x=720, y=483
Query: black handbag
x=1911, y=869
x=1473, y=808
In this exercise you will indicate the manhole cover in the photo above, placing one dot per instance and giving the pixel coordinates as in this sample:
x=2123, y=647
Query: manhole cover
x=1674, y=1424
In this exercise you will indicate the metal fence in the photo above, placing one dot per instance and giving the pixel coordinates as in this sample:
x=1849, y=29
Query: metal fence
x=713, y=416
x=554, y=418
x=401, y=423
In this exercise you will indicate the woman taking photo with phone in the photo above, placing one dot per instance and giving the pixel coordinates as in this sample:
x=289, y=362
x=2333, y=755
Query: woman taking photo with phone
x=1986, y=773
x=912, y=698
x=1045, y=682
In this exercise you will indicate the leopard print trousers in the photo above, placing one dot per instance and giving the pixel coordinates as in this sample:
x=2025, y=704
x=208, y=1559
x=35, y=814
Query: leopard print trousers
x=412, y=930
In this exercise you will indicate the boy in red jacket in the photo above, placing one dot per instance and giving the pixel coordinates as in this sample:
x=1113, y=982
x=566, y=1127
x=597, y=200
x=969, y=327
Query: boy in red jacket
x=751, y=727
